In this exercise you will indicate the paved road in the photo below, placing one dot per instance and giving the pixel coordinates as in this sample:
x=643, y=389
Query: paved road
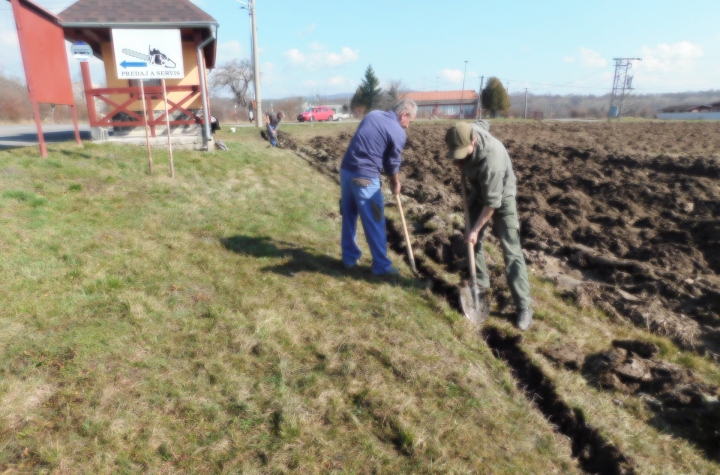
x=13, y=136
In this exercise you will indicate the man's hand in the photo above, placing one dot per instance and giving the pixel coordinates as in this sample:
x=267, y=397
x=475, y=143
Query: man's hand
x=472, y=237
x=395, y=184
x=485, y=215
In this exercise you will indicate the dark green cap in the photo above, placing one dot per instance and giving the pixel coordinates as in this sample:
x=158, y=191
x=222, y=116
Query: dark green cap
x=458, y=138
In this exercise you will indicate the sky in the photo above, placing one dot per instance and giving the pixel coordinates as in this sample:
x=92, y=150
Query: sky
x=323, y=47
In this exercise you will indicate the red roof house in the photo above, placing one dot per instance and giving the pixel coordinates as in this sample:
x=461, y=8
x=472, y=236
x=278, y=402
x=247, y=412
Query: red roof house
x=445, y=103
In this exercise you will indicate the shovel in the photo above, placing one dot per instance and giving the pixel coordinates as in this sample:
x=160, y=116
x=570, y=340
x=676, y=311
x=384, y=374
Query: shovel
x=411, y=258
x=475, y=308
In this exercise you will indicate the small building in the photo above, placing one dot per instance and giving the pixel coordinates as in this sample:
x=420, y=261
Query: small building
x=461, y=104
x=693, y=112
x=697, y=108
x=93, y=22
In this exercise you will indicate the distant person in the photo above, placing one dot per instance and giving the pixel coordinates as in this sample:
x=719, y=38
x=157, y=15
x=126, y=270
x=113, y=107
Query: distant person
x=492, y=192
x=376, y=147
x=272, y=123
x=251, y=111
x=214, y=124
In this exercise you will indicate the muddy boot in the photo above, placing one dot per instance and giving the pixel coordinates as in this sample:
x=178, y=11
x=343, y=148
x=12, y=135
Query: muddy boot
x=524, y=318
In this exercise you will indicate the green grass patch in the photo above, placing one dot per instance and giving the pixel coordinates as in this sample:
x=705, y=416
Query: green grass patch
x=206, y=325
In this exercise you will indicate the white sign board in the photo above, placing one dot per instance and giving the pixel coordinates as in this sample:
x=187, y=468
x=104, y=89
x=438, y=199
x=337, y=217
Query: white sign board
x=81, y=51
x=148, y=54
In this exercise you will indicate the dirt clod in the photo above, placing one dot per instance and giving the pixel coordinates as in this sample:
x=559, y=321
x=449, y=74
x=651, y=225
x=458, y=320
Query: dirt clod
x=683, y=403
x=568, y=355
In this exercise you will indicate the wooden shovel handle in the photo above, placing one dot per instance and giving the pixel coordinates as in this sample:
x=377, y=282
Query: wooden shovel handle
x=407, y=236
x=471, y=248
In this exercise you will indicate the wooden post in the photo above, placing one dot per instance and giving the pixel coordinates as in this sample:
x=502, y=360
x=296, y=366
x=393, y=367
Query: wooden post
x=167, y=122
x=77, y=127
x=38, y=124
x=28, y=76
x=147, y=134
x=89, y=98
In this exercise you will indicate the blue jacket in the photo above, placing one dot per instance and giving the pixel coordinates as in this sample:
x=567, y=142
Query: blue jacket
x=377, y=146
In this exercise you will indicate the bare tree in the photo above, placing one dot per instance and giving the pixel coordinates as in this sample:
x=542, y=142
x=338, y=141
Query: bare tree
x=236, y=76
x=392, y=93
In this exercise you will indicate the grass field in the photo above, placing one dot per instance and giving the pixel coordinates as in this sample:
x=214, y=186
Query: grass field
x=204, y=324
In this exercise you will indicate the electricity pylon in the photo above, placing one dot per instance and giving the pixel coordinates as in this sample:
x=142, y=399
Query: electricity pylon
x=622, y=85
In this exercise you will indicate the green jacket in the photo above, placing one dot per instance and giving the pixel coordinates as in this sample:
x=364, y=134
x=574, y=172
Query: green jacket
x=489, y=169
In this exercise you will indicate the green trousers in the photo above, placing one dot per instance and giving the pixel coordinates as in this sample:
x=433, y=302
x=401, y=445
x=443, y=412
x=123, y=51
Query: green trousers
x=507, y=228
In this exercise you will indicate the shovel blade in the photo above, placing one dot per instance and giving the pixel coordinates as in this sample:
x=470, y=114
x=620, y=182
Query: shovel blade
x=475, y=309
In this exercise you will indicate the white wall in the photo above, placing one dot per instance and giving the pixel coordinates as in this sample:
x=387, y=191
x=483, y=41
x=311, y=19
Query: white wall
x=689, y=115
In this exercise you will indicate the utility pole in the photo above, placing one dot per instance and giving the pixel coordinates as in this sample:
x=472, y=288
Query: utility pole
x=250, y=7
x=482, y=80
x=526, y=103
x=622, y=85
x=256, y=65
x=462, y=92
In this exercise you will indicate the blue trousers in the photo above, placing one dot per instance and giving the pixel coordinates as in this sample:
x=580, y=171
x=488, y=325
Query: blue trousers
x=272, y=135
x=361, y=196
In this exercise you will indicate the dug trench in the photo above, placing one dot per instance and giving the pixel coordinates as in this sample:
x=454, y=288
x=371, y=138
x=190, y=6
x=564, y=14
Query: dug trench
x=620, y=264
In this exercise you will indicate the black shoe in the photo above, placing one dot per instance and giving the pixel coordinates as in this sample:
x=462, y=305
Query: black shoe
x=524, y=318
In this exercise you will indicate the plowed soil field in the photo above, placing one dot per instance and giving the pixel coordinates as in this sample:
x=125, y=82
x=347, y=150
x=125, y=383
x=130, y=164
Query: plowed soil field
x=624, y=216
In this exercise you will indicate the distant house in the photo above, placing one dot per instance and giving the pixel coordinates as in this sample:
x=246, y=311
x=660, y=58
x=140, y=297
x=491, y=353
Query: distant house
x=685, y=112
x=698, y=108
x=445, y=104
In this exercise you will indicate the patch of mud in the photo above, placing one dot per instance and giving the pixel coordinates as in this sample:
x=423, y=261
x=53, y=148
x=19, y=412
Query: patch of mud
x=684, y=405
x=633, y=207
x=568, y=356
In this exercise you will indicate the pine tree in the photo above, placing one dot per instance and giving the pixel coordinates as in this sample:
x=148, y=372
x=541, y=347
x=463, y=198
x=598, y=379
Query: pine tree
x=371, y=88
x=369, y=92
x=357, y=103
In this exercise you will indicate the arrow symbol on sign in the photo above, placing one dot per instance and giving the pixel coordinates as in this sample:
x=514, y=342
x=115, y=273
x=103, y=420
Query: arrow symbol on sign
x=128, y=64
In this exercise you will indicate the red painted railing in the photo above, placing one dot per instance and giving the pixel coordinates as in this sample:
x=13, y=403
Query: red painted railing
x=133, y=95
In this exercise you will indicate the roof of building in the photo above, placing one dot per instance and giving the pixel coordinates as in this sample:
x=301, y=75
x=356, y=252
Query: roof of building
x=39, y=9
x=437, y=96
x=114, y=12
x=92, y=20
x=685, y=108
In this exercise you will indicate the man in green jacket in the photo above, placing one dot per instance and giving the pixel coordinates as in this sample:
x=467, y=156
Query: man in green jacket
x=490, y=175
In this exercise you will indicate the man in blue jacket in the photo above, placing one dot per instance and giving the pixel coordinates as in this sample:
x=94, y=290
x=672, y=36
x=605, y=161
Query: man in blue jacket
x=490, y=175
x=376, y=148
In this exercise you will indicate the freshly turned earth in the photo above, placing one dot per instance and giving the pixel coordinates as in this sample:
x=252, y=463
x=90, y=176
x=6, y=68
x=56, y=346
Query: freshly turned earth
x=634, y=207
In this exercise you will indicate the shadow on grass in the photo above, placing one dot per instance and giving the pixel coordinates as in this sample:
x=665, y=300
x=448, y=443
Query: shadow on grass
x=74, y=154
x=304, y=259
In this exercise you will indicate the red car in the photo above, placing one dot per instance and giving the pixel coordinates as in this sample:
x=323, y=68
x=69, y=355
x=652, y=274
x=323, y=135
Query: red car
x=316, y=113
